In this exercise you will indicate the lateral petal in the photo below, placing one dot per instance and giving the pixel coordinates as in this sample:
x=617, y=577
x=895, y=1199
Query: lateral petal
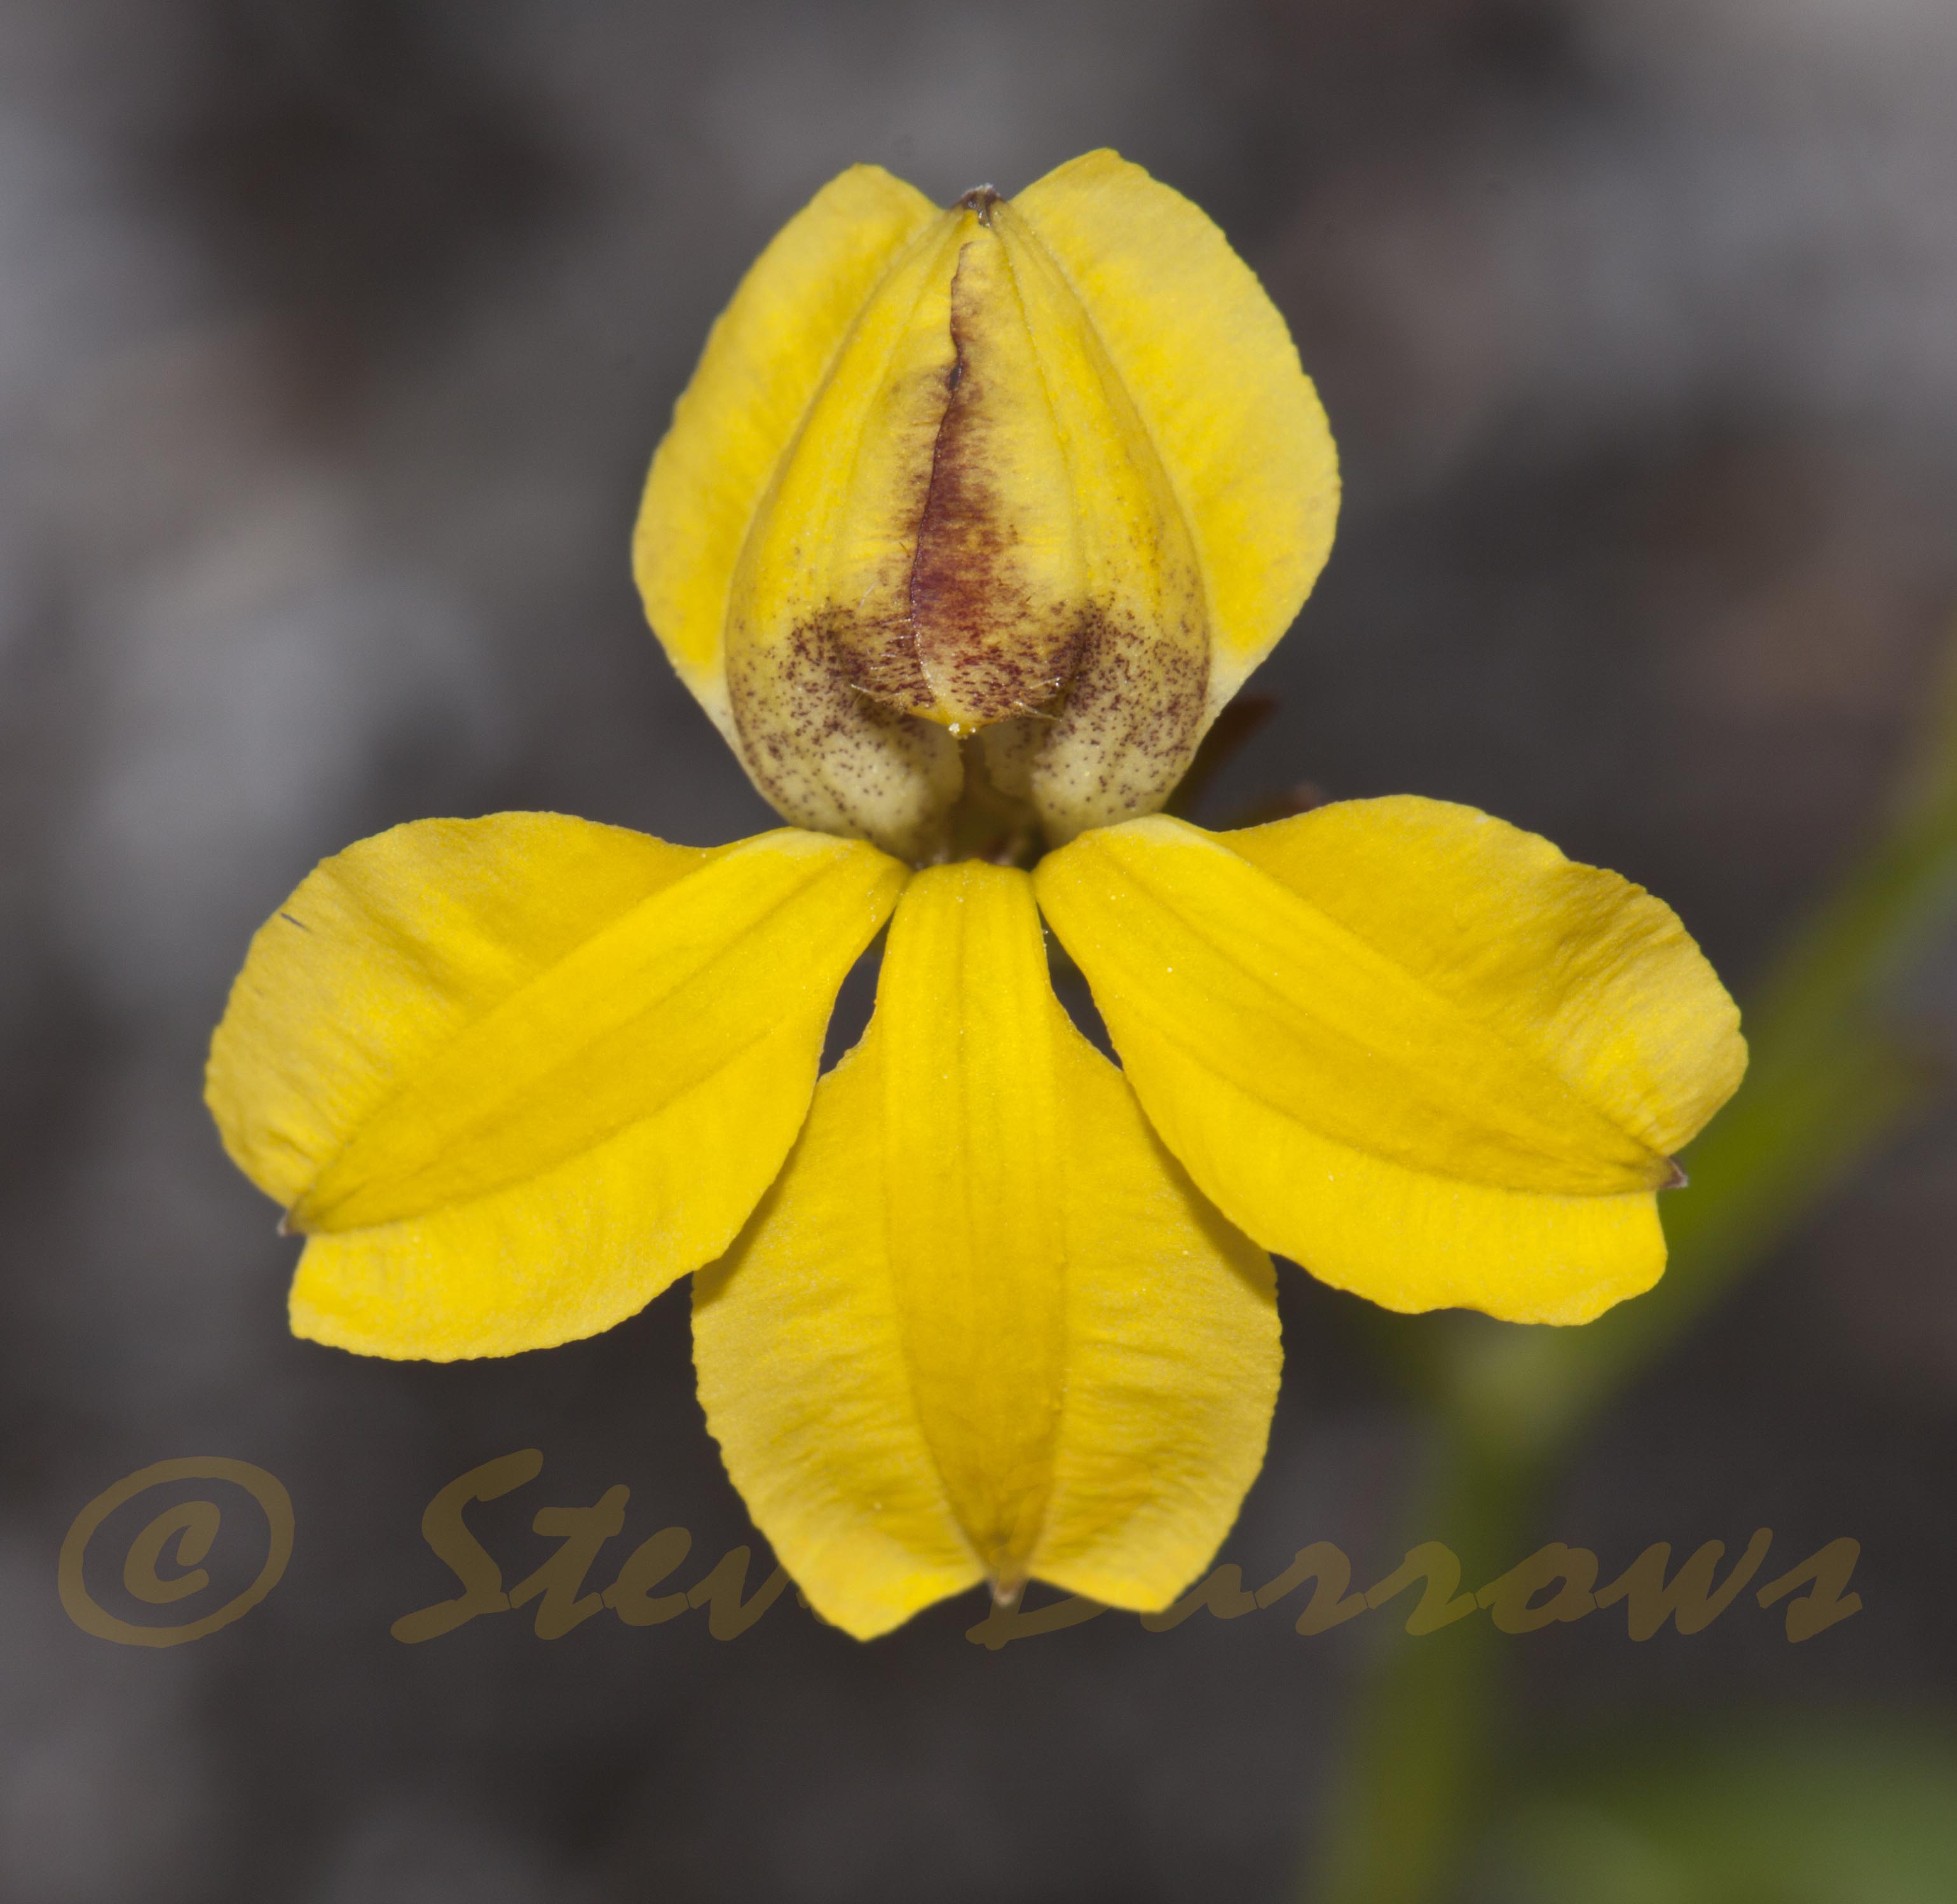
x=1414, y=1048
x=1572, y=962
x=514, y=1075
x=983, y=1326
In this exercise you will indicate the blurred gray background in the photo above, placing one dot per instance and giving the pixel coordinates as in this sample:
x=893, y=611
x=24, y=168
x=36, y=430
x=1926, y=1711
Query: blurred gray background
x=334, y=337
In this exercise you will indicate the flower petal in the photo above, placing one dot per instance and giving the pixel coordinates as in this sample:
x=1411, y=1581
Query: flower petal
x=1206, y=358
x=517, y=1074
x=1415, y=1049
x=983, y=1326
x=1046, y=469
x=767, y=355
x=817, y=696
x=1572, y=962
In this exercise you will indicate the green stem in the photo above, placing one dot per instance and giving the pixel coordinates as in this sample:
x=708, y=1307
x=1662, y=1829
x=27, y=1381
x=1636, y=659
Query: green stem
x=1419, y=1769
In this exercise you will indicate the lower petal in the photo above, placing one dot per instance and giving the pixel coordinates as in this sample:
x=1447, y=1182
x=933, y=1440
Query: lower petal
x=984, y=1327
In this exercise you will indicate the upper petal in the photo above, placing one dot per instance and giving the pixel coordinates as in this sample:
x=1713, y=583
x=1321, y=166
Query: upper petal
x=1046, y=468
x=1415, y=1049
x=519, y=1073
x=767, y=355
x=1206, y=360
x=984, y=1325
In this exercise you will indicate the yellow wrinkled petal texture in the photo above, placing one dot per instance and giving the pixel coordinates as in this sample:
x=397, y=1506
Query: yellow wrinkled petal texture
x=515, y=1075
x=1414, y=1049
x=766, y=355
x=984, y=1326
x=1209, y=363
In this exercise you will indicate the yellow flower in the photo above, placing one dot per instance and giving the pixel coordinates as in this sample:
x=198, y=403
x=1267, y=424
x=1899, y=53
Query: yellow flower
x=967, y=526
